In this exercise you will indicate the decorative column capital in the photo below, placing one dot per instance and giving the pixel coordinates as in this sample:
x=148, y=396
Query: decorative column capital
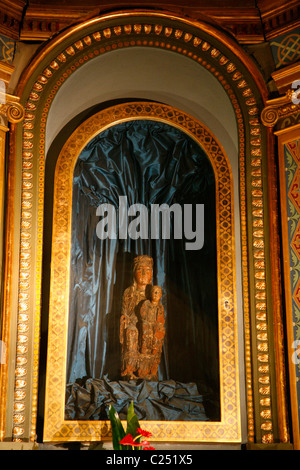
x=284, y=111
x=280, y=108
x=10, y=108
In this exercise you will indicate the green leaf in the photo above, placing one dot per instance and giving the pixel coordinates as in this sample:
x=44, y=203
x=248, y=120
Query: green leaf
x=117, y=429
x=130, y=412
x=132, y=423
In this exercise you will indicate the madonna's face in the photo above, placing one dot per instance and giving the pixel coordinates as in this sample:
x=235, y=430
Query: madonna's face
x=143, y=275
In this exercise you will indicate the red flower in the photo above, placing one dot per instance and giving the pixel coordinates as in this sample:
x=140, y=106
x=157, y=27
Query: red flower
x=127, y=440
x=143, y=432
x=149, y=448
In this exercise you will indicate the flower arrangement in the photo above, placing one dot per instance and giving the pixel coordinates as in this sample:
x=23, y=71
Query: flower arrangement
x=131, y=439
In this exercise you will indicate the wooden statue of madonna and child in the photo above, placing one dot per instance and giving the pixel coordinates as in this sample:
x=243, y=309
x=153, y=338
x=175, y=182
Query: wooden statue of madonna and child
x=142, y=324
x=142, y=334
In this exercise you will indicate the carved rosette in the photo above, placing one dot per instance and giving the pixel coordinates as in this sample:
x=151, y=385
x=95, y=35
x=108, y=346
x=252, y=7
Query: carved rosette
x=179, y=37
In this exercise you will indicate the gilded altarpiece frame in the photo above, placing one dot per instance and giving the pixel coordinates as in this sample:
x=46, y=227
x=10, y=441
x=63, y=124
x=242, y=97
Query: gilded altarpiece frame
x=56, y=428
x=239, y=77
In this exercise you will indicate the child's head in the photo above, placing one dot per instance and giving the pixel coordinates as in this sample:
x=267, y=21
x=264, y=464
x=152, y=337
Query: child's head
x=156, y=293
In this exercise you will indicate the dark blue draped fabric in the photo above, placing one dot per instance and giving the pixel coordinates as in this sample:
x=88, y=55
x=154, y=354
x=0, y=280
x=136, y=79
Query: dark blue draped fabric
x=150, y=163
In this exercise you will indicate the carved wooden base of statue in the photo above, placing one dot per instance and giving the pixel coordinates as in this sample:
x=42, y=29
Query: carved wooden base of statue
x=142, y=324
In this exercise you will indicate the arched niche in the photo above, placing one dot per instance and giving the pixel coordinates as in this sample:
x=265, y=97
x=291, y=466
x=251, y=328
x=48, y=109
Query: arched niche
x=228, y=422
x=145, y=73
x=245, y=142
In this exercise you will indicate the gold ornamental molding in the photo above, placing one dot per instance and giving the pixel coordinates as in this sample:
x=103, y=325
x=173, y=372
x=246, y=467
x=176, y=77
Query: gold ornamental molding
x=11, y=12
x=35, y=20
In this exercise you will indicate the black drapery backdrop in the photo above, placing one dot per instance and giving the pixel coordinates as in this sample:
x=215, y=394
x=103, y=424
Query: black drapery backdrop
x=149, y=162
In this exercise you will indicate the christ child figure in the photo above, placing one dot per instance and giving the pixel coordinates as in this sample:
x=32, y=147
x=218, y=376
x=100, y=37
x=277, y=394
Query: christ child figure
x=152, y=334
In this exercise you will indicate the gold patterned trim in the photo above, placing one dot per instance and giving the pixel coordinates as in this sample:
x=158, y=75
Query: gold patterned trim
x=56, y=428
